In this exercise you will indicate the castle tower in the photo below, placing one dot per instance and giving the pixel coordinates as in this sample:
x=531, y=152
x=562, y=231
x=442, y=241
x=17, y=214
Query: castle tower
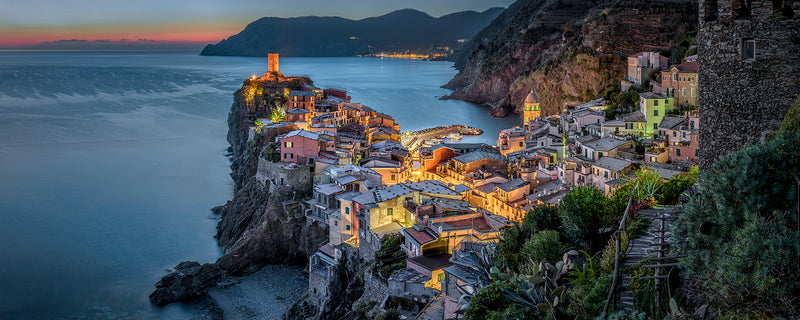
x=749, y=71
x=531, y=110
x=273, y=62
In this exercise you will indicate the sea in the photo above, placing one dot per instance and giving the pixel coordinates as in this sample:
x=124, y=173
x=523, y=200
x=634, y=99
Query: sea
x=111, y=160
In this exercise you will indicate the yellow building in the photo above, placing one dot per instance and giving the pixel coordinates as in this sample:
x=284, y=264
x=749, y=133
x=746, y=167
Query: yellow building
x=531, y=110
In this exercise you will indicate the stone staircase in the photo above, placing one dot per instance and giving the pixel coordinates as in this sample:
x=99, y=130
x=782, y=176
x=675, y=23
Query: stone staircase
x=646, y=246
x=434, y=310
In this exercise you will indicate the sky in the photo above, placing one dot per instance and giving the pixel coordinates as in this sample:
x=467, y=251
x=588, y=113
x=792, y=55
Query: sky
x=24, y=22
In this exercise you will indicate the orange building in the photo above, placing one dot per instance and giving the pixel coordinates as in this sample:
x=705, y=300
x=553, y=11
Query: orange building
x=680, y=82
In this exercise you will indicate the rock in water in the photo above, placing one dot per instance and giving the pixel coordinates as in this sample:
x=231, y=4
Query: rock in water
x=189, y=280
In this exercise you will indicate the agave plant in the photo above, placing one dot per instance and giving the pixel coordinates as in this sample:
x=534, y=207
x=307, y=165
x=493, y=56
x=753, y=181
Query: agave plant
x=479, y=266
x=540, y=286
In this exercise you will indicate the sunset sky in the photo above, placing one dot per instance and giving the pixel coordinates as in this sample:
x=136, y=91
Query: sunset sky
x=24, y=22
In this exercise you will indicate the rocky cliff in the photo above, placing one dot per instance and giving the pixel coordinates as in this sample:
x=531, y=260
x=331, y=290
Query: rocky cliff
x=568, y=51
x=256, y=227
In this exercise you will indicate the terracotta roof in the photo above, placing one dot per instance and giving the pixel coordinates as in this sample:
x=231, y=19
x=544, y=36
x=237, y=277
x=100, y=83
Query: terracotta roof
x=420, y=237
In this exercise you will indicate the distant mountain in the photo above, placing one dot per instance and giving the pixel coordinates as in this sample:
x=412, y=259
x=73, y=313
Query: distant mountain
x=314, y=36
x=568, y=51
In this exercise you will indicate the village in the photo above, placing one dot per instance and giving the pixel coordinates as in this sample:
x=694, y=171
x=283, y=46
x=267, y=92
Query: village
x=439, y=198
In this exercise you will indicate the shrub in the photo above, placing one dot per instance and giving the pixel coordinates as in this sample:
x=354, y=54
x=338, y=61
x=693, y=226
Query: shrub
x=544, y=246
x=581, y=212
x=740, y=234
x=588, y=289
x=489, y=299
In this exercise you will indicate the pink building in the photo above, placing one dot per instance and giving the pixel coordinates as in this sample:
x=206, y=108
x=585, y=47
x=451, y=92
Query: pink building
x=684, y=139
x=301, y=147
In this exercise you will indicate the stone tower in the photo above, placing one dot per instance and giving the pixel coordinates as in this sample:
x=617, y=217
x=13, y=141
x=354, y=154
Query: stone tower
x=749, y=71
x=273, y=58
x=531, y=110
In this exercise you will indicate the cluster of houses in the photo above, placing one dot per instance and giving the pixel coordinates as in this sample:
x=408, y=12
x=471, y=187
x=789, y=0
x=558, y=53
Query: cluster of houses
x=449, y=197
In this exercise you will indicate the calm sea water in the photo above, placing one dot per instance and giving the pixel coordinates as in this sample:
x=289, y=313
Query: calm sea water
x=110, y=162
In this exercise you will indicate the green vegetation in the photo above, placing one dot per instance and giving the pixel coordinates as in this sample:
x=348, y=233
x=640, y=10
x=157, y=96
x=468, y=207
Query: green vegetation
x=741, y=232
x=618, y=102
x=533, y=278
x=278, y=114
x=390, y=257
x=582, y=212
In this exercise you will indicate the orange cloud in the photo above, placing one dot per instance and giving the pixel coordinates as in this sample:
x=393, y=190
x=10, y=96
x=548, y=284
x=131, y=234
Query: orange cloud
x=211, y=32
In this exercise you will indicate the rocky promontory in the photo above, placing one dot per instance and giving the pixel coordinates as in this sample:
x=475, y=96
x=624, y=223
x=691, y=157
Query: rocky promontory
x=567, y=51
x=257, y=227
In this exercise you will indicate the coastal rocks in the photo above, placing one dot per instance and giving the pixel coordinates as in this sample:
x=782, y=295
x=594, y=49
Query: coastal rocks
x=189, y=280
x=263, y=224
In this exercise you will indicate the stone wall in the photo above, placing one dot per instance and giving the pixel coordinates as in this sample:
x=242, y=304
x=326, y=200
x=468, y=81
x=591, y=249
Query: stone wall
x=742, y=99
x=375, y=290
x=286, y=174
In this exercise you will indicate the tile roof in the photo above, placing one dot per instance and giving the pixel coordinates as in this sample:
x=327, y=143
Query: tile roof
x=304, y=134
x=512, y=185
x=478, y=155
x=388, y=193
x=651, y=95
x=431, y=186
x=302, y=93
x=612, y=164
x=635, y=116
x=421, y=236
x=327, y=189
x=605, y=144
x=297, y=111
x=669, y=122
x=687, y=67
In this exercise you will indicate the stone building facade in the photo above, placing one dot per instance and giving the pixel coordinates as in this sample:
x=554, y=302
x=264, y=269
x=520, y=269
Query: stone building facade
x=749, y=71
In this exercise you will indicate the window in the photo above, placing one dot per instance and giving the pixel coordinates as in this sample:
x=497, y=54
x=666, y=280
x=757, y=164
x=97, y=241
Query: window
x=784, y=7
x=394, y=177
x=674, y=133
x=288, y=144
x=748, y=49
x=655, y=113
x=346, y=210
x=694, y=92
x=683, y=92
x=655, y=102
x=674, y=77
x=440, y=277
x=684, y=134
x=336, y=223
x=655, y=126
x=678, y=152
x=389, y=211
x=605, y=174
x=691, y=124
x=288, y=156
x=347, y=227
x=599, y=155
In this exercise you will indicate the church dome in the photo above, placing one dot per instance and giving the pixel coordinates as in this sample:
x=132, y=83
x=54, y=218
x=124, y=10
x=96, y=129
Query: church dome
x=532, y=98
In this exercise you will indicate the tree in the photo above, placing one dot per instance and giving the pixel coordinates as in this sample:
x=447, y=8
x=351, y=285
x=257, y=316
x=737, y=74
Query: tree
x=544, y=246
x=581, y=212
x=740, y=233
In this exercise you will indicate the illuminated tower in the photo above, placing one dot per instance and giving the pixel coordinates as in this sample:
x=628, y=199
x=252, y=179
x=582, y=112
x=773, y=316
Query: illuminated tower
x=531, y=110
x=273, y=62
